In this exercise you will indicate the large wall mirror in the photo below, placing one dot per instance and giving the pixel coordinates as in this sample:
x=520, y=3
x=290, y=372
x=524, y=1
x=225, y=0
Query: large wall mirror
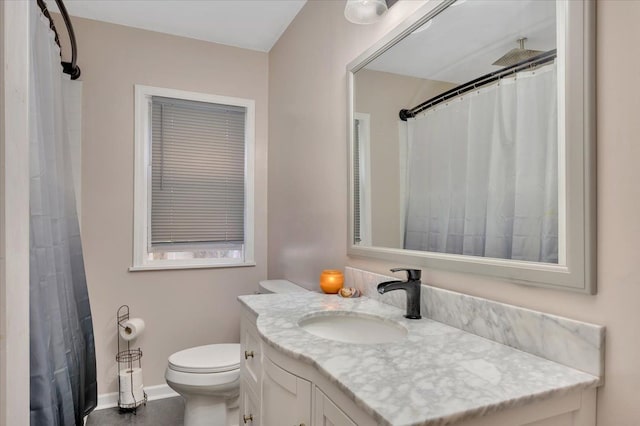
x=472, y=142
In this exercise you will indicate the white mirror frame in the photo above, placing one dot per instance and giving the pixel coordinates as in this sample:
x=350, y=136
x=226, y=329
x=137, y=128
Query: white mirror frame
x=578, y=271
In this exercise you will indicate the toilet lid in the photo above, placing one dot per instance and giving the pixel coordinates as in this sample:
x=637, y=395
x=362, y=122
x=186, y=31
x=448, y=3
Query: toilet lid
x=207, y=359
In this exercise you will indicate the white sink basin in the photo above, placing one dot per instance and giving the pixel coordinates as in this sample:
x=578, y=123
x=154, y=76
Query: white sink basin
x=353, y=328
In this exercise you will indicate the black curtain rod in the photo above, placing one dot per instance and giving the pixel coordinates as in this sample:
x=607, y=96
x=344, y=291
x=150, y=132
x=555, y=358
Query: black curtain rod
x=537, y=60
x=70, y=68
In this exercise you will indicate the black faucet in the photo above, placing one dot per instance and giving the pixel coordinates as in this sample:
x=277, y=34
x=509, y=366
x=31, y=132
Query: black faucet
x=411, y=286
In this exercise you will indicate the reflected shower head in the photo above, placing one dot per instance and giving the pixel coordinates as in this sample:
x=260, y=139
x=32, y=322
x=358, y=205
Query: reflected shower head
x=516, y=55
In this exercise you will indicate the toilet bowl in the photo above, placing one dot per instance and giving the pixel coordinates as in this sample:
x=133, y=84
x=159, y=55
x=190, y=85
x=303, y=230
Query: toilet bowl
x=208, y=378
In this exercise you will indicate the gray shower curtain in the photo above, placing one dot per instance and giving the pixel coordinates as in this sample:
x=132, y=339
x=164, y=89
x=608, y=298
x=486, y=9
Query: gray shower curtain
x=63, y=368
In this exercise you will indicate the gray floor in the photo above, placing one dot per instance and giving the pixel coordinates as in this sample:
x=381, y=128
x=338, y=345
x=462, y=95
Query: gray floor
x=163, y=412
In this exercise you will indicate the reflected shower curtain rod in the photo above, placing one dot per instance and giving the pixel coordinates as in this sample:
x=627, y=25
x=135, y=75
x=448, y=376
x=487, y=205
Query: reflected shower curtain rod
x=70, y=68
x=537, y=60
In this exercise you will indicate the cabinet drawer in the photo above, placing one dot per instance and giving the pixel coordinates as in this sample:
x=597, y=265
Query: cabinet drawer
x=251, y=356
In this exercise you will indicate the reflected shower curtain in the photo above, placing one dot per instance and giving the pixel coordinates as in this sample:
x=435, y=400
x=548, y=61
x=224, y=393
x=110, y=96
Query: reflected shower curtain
x=63, y=369
x=482, y=172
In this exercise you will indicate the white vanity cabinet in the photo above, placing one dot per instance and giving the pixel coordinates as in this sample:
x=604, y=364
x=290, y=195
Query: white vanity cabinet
x=273, y=396
x=250, y=371
x=269, y=395
x=286, y=398
x=277, y=390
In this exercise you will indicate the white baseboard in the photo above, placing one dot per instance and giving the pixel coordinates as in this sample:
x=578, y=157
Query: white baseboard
x=110, y=400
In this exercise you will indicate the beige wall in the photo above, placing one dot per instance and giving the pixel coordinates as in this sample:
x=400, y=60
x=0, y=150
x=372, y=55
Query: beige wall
x=182, y=308
x=307, y=137
x=308, y=196
x=382, y=95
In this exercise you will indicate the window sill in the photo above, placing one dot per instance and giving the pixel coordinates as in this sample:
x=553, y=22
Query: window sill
x=189, y=266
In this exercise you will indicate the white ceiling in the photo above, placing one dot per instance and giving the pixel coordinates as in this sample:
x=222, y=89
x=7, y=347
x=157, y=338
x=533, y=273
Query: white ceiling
x=462, y=42
x=250, y=24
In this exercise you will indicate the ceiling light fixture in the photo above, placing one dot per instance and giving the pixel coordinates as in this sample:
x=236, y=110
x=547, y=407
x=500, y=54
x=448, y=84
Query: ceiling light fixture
x=365, y=11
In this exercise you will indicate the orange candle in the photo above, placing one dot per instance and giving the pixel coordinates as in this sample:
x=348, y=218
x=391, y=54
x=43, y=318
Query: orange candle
x=331, y=281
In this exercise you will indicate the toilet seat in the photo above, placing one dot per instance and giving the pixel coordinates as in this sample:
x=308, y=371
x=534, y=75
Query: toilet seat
x=227, y=378
x=207, y=359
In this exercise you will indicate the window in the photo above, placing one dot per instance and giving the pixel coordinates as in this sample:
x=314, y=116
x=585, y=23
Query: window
x=361, y=183
x=193, y=180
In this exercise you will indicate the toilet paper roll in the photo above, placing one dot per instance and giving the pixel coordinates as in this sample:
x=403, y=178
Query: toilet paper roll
x=131, y=388
x=132, y=328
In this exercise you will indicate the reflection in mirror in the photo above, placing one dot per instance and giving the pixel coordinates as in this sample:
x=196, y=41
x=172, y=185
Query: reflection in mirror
x=457, y=146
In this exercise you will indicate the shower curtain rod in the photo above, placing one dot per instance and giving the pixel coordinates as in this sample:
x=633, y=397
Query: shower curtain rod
x=70, y=68
x=537, y=60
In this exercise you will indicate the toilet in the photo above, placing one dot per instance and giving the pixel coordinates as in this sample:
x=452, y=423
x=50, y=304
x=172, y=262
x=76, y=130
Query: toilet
x=208, y=377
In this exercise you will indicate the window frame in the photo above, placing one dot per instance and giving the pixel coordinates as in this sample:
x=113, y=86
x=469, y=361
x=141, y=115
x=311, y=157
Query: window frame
x=142, y=181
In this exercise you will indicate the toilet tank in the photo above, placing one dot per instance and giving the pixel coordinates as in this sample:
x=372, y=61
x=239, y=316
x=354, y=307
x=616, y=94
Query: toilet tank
x=279, y=286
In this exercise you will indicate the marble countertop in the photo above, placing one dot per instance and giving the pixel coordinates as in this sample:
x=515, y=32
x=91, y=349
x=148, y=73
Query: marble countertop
x=437, y=375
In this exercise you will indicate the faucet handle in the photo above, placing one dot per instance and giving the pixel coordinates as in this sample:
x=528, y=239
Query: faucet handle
x=412, y=274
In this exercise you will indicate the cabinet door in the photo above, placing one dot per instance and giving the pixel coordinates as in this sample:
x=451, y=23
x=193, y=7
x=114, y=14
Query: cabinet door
x=249, y=406
x=250, y=359
x=286, y=398
x=327, y=413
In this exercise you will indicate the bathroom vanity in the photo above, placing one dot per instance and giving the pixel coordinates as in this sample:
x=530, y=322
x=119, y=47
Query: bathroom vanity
x=468, y=361
x=429, y=373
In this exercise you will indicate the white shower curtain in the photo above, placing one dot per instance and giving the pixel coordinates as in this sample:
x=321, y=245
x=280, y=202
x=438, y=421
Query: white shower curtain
x=482, y=172
x=62, y=354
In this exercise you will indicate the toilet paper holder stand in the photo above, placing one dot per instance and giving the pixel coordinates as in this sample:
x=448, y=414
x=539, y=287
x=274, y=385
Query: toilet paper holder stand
x=127, y=360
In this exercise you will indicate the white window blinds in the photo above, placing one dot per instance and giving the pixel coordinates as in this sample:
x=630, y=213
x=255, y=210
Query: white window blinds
x=356, y=183
x=197, y=172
